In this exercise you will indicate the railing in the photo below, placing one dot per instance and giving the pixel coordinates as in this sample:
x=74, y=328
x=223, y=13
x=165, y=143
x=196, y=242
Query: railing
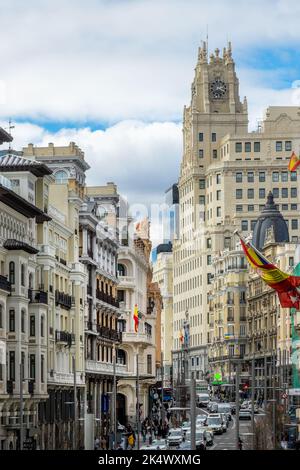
x=107, y=298
x=5, y=284
x=109, y=333
x=64, y=337
x=63, y=261
x=231, y=319
x=105, y=367
x=37, y=297
x=63, y=299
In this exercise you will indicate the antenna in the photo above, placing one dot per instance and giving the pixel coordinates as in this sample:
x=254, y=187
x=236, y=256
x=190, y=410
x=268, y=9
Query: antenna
x=10, y=127
x=207, y=38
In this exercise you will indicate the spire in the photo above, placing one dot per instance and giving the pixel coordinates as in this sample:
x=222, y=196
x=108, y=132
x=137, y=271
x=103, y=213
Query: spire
x=202, y=54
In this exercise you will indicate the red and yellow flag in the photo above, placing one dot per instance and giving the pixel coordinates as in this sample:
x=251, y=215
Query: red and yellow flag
x=286, y=286
x=136, y=318
x=294, y=162
x=181, y=337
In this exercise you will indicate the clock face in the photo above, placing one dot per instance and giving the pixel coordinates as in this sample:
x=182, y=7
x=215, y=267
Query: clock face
x=218, y=89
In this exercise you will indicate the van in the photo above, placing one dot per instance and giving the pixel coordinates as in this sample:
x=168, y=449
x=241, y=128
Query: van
x=202, y=399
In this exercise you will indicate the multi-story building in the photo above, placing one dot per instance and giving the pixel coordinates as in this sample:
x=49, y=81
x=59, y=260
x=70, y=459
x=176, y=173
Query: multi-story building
x=99, y=251
x=163, y=276
x=64, y=279
x=23, y=301
x=225, y=175
x=138, y=346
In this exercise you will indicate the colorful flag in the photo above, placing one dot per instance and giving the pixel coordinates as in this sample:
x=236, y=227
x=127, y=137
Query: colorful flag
x=136, y=318
x=286, y=286
x=294, y=162
x=181, y=337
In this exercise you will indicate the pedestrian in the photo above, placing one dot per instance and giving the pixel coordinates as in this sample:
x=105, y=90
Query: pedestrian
x=97, y=444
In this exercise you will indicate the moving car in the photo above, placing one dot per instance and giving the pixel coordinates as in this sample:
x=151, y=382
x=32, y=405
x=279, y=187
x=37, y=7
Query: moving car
x=175, y=437
x=215, y=422
x=245, y=414
x=201, y=420
x=225, y=408
x=186, y=426
x=225, y=422
x=208, y=434
x=212, y=407
x=200, y=436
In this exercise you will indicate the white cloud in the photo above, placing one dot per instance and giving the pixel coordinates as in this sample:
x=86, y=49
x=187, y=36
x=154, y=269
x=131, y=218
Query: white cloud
x=130, y=59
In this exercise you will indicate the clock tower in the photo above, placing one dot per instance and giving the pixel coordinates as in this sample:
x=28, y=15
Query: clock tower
x=215, y=109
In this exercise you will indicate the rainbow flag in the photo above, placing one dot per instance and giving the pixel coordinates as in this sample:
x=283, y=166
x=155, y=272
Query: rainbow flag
x=294, y=162
x=136, y=318
x=286, y=286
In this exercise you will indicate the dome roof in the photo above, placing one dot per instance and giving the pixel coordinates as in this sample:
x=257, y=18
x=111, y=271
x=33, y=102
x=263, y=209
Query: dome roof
x=270, y=220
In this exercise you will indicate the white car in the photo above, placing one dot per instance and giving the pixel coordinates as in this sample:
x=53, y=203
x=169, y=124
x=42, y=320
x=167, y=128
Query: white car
x=186, y=426
x=215, y=422
x=200, y=436
x=245, y=414
x=175, y=437
x=201, y=420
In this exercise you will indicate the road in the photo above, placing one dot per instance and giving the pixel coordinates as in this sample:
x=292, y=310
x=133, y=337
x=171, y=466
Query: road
x=227, y=440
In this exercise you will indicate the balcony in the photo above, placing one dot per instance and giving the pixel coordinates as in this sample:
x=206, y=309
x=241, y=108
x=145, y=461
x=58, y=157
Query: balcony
x=134, y=338
x=108, y=333
x=37, y=297
x=5, y=284
x=230, y=319
x=108, y=299
x=105, y=368
x=126, y=281
x=62, y=299
x=64, y=337
x=66, y=378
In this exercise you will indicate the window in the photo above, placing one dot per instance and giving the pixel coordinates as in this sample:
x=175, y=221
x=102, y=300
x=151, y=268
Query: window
x=256, y=146
x=239, y=177
x=278, y=146
x=214, y=137
x=251, y=208
x=23, y=363
x=215, y=153
x=288, y=145
x=200, y=153
x=42, y=368
x=202, y=184
x=247, y=147
x=262, y=177
x=294, y=224
x=285, y=207
x=239, y=208
x=149, y=364
x=209, y=278
x=294, y=239
x=23, y=317
x=284, y=176
x=262, y=193
x=227, y=242
x=294, y=207
x=32, y=366
x=12, y=272
x=284, y=193
x=275, y=176
x=202, y=200
x=218, y=195
x=244, y=225
x=218, y=178
x=239, y=194
x=291, y=261
x=12, y=367
x=293, y=192
x=1, y=316
x=42, y=326
x=250, y=193
x=208, y=243
x=11, y=322
x=238, y=147
x=32, y=325
x=22, y=275
x=293, y=176
x=61, y=177
x=208, y=260
x=200, y=136
x=121, y=269
x=275, y=193
x=250, y=177
x=252, y=224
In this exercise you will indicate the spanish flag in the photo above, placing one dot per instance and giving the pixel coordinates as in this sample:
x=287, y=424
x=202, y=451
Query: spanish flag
x=181, y=337
x=294, y=162
x=286, y=286
x=136, y=318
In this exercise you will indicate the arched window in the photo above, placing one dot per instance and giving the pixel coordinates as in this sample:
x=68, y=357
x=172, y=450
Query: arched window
x=12, y=272
x=121, y=359
x=61, y=177
x=121, y=270
x=23, y=275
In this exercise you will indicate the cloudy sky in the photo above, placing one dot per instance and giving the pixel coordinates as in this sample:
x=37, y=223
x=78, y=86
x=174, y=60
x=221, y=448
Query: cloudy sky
x=114, y=75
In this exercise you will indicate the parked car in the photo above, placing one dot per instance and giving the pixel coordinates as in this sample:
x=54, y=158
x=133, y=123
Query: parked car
x=245, y=414
x=215, y=422
x=175, y=437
